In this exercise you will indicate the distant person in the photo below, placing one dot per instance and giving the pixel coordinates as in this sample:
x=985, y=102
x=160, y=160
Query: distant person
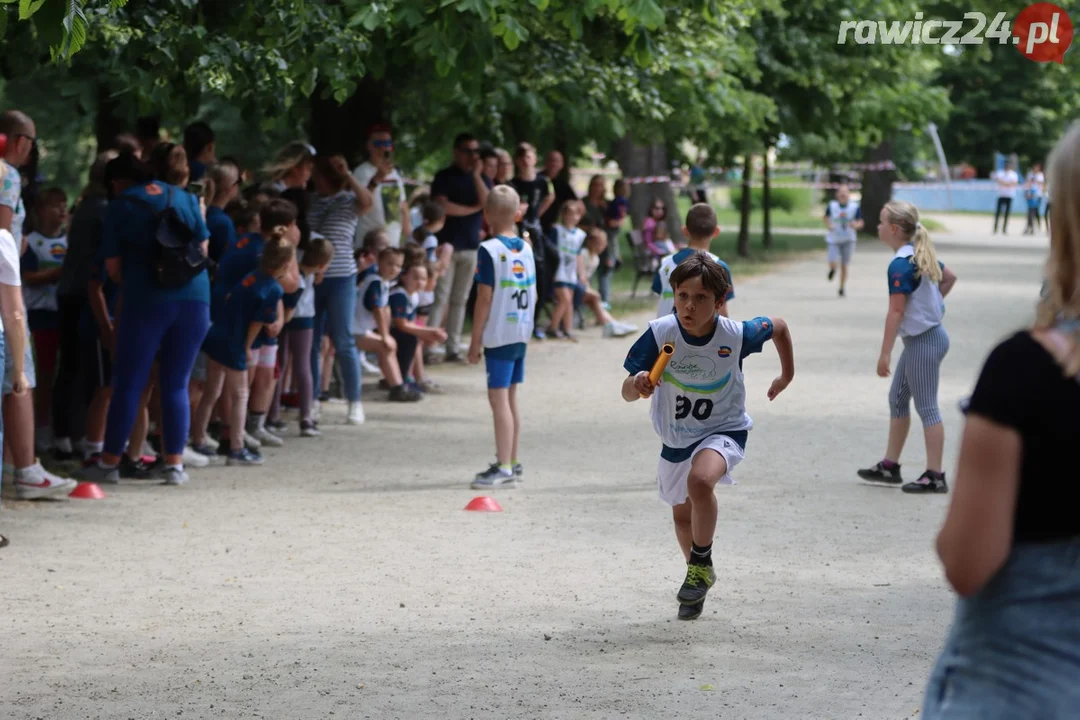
x=201, y=149
x=553, y=170
x=1007, y=182
x=536, y=198
x=1034, y=185
x=148, y=131
x=1011, y=538
x=843, y=218
x=918, y=285
x=701, y=228
x=389, y=209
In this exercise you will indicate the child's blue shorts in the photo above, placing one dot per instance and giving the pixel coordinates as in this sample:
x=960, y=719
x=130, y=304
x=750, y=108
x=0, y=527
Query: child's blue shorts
x=504, y=368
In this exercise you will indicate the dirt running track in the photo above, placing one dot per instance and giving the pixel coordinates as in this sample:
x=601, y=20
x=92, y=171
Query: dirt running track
x=343, y=579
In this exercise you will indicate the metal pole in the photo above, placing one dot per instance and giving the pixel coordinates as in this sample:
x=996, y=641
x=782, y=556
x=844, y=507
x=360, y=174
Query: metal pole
x=932, y=129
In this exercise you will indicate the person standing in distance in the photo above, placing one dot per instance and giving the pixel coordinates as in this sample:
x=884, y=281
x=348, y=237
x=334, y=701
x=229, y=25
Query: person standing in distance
x=390, y=209
x=843, y=218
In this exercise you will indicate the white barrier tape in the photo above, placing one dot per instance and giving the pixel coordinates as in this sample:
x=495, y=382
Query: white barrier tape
x=647, y=180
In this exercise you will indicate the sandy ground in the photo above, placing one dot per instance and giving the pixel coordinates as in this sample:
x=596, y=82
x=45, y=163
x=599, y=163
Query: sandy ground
x=344, y=579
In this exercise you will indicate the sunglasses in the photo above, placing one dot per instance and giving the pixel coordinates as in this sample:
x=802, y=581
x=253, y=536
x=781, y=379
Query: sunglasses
x=383, y=144
x=469, y=150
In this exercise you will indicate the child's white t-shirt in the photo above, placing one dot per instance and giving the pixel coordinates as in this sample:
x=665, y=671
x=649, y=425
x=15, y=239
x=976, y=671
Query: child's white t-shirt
x=49, y=253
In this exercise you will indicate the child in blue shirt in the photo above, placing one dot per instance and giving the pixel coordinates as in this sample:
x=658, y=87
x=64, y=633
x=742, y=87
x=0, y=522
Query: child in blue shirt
x=248, y=308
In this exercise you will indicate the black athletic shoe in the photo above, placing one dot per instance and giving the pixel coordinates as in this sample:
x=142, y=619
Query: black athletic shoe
x=832, y=274
x=691, y=612
x=403, y=393
x=841, y=293
x=927, y=483
x=277, y=426
x=881, y=475
x=699, y=578
x=134, y=469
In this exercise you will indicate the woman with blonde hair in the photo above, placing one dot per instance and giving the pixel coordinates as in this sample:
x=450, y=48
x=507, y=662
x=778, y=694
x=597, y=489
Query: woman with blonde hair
x=1010, y=544
x=918, y=284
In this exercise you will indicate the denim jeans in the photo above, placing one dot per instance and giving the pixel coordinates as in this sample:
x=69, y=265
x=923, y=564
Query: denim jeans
x=1014, y=648
x=335, y=304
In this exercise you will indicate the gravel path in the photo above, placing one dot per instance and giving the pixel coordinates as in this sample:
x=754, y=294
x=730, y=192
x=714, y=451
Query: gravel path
x=343, y=578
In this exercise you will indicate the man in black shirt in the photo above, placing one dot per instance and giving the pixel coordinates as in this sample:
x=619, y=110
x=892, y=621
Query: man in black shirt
x=560, y=184
x=536, y=198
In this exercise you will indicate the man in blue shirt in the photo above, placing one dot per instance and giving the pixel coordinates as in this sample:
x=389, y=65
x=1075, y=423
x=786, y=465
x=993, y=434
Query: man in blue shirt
x=201, y=149
x=462, y=190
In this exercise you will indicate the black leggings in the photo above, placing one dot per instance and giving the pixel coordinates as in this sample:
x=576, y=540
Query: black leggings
x=406, y=350
x=1033, y=222
x=69, y=400
x=1006, y=203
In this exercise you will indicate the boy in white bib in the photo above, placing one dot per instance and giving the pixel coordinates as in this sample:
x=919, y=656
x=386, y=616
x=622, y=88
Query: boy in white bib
x=502, y=326
x=700, y=229
x=698, y=407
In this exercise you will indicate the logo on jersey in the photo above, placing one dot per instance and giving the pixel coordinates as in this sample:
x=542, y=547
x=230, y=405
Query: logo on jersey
x=518, y=270
x=58, y=251
x=694, y=367
x=724, y=351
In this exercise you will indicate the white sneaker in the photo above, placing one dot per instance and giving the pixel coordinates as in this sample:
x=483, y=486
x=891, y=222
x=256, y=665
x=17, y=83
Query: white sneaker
x=36, y=483
x=369, y=367
x=251, y=443
x=211, y=443
x=267, y=438
x=618, y=329
x=356, y=414
x=194, y=459
x=315, y=412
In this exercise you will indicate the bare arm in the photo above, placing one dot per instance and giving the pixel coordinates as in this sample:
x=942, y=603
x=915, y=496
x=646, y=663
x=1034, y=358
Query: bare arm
x=382, y=322
x=113, y=267
x=406, y=221
x=581, y=270
x=420, y=331
x=948, y=279
x=274, y=328
x=100, y=310
x=6, y=216
x=252, y=332
x=14, y=315
x=41, y=277
x=484, y=295
x=364, y=200
x=975, y=540
x=784, y=348
x=895, y=315
x=481, y=186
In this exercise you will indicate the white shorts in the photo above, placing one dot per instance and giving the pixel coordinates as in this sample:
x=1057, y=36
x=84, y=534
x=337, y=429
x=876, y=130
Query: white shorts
x=841, y=252
x=671, y=477
x=266, y=356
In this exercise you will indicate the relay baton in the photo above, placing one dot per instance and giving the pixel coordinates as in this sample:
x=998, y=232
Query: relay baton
x=661, y=363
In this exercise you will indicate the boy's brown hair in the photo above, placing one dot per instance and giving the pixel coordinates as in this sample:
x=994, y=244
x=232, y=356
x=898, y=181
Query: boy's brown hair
x=389, y=252
x=414, y=255
x=277, y=253
x=713, y=277
x=701, y=221
x=277, y=212
x=320, y=251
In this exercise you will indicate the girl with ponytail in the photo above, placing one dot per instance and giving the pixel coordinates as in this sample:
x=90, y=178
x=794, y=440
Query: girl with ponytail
x=918, y=284
x=1011, y=540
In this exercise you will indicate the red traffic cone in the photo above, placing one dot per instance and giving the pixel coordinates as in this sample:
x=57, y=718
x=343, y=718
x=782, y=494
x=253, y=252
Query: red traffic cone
x=483, y=504
x=88, y=491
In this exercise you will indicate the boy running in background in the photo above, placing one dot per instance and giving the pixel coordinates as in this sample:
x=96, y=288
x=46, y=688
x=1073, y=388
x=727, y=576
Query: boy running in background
x=40, y=265
x=843, y=218
x=502, y=326
x=700, y=229
x=699, y=406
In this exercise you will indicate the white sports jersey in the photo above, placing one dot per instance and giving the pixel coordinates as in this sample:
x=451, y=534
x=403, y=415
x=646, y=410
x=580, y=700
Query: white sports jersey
x=364, y=320
x=305, y=307
x=842, y=217
x=513, y=301
x=925, y=307
x=412, y=301
x=667, y=295
x=569, y=242
x=701, y=392
x=50, y=254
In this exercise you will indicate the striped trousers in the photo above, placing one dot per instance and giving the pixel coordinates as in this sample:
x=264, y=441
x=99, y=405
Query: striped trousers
x=917, y=374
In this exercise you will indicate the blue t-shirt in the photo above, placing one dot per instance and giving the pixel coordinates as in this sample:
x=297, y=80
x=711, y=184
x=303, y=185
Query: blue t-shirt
x=904, y=277
x=618, y=208
x=240, y=259
x=400, y=307
x=658, y=285
x=196, y=170
x=129, y=234
x=458, y=186
x=485, y=275
x=644, y=352
x=254, y=300
x=222, y=231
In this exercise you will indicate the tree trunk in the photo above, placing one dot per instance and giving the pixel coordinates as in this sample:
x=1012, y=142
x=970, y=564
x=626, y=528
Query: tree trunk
x=744, y=211
x=766, y=230
x=107, y=122
x=876, y=187
x=341, y=129
x=643, y=161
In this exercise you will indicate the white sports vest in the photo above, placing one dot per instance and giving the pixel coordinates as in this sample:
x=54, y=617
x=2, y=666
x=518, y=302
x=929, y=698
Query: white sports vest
x=570, y=242
x=667, y=295
x=925, y=307
x=513, y=301
x=841, y=216
x=701, y=392
x=364, y=320
x=412, y=302
x=50, y=254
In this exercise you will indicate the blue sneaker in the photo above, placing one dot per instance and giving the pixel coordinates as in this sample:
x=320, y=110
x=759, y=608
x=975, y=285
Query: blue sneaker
x=244, y=457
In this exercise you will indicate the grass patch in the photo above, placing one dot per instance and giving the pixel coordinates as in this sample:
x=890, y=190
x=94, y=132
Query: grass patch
x=785, y=247
x=931, y=224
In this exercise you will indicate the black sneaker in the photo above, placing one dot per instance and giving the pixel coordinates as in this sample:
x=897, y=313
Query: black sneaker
x=832, y=274
x=403, y=393
x=691, y=612
x=699, y=578
x=277, y=426
x=881, y=475
x=927, y=483
x=841, y=293
x=134, y=469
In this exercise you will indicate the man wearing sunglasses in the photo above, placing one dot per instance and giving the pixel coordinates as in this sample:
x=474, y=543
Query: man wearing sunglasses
x=462, y=189
x=390, y=209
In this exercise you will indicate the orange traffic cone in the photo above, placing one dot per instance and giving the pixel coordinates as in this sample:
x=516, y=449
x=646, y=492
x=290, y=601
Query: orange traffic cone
x=88, y=491
x=483, y=504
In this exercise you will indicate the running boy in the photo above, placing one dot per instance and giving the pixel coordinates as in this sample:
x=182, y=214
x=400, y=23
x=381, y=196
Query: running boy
x=700, y=229
x=502, y=326
x=843, y=218
x=918, y=285
x=699, y=406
